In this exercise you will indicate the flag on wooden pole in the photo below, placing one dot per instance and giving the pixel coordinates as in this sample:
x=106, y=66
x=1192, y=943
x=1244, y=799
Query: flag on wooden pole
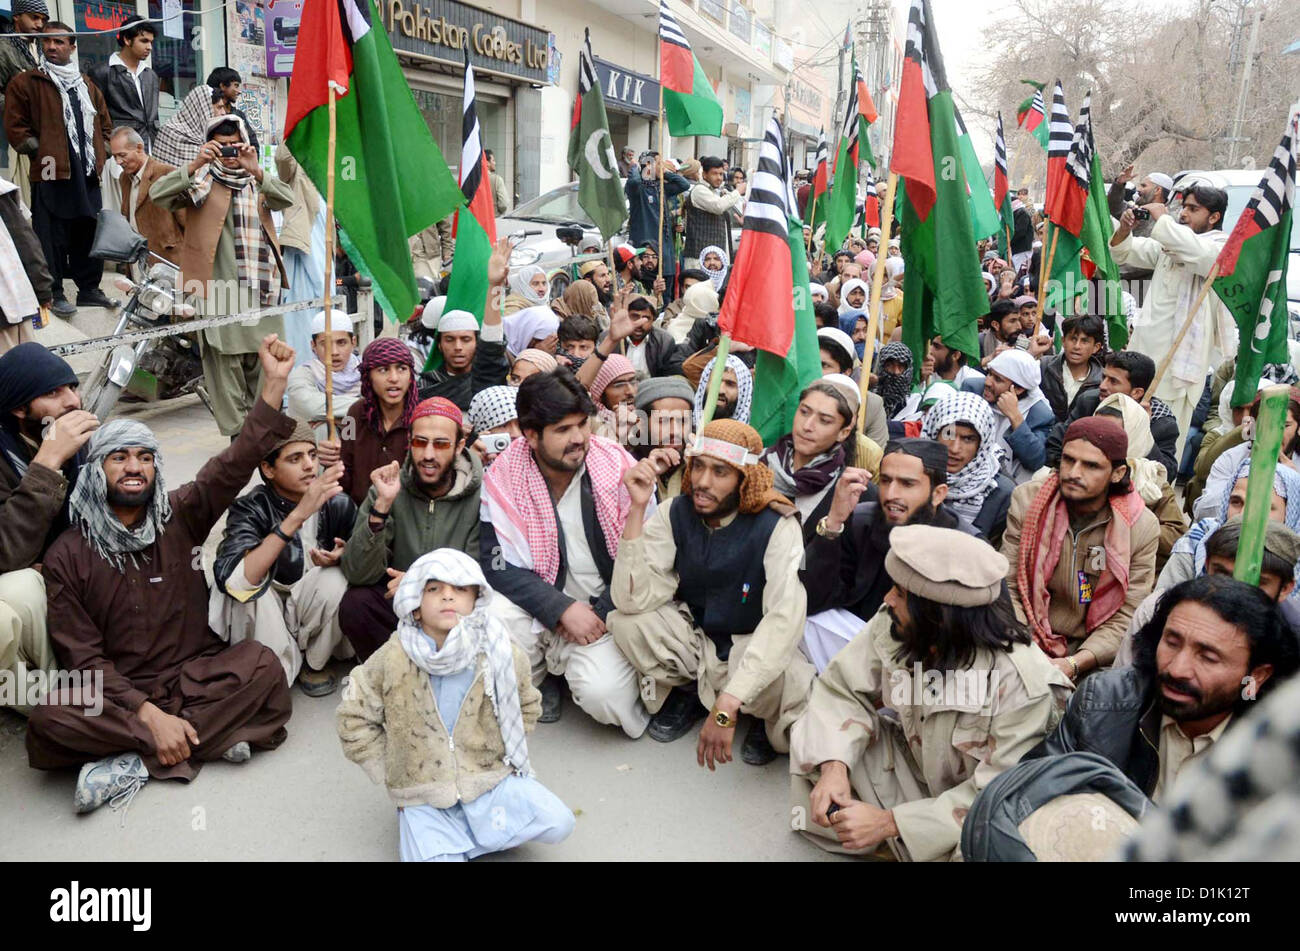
x=1252, y=281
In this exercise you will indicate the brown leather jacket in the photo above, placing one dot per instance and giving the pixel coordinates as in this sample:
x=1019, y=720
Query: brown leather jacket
x=164, y=229
x=34, y=124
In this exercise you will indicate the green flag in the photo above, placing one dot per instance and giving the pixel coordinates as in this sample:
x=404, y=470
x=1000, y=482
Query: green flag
x=1253, y=265
x=391, y=180
x=943, y=293
x=984, y=216
x=591, y=152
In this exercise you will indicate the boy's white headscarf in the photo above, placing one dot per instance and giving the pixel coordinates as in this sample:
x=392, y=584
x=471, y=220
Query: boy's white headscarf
x=478, y=633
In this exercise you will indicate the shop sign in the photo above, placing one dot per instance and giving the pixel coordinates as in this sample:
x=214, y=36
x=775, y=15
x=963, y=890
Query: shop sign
x=627, y=91
x=443, y=29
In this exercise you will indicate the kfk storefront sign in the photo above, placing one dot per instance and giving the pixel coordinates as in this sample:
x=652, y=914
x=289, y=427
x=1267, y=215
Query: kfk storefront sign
x=626, y=91
x=443, y=29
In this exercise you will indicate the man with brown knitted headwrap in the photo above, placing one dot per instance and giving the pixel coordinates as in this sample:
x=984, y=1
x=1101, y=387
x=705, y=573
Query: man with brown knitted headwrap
x=710, y=609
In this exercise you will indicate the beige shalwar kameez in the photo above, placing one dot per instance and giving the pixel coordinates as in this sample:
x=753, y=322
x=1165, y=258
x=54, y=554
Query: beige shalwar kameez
x=924, y=755
x=657, y=633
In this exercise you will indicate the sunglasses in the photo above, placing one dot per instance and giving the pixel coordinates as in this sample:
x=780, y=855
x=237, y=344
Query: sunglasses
x=441, y=443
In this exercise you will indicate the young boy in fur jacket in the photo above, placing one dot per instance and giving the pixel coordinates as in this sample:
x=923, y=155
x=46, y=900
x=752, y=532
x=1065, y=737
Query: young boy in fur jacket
x=438, y=714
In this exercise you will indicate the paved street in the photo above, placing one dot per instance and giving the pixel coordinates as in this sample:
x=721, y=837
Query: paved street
x=305, y=801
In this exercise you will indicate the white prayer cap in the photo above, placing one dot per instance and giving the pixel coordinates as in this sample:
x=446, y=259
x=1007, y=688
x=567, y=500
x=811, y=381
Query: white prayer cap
x=846, y=386
x=457, y=320
x=840, y=339
x=1018, y=367
x=338, y=321
x=432, y=312
x=815, y=288
x=1163, y=180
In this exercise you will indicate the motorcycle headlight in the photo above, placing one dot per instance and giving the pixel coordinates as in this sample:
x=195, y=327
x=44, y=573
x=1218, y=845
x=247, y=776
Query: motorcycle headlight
x=164, y=274
x=522, y=257
x=158, y=299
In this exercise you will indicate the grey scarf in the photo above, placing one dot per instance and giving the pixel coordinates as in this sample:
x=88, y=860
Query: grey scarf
x=106, y=534
x=69, y=81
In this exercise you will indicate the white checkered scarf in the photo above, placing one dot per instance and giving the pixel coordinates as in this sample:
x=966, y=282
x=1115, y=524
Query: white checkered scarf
x=969, y=486
x=477, y=634
x=68, y=80
x=253, y=254
x=105, y=533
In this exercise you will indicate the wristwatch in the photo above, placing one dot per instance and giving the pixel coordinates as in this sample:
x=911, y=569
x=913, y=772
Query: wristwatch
x=598, y=355
x=722, y=719
x=825, y=532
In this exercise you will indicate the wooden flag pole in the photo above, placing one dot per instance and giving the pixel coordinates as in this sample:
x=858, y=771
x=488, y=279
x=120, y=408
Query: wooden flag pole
x=1259, y=487
x=812, y=217
x=329, y=269
x=715, y=382
x=1182, y=331
x=659, y=163
x=1044, y=271
x=877, y=285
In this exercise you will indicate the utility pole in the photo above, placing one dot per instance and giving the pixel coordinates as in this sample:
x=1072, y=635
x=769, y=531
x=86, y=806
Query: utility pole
x=1246, y=66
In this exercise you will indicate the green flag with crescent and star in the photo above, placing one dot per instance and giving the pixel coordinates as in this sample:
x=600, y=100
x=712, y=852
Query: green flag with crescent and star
x=591, y=152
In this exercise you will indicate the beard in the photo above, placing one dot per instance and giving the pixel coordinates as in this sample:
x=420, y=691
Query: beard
x=132, y=500
x=559, y=463
x=724, y=410
x=946, y=365
x=726, y=507
x=1198, y=708
x=881, y=527
x=439, y=485
x=914, y=647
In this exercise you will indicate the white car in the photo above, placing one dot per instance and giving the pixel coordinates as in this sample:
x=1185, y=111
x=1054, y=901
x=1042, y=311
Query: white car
x=535, y=223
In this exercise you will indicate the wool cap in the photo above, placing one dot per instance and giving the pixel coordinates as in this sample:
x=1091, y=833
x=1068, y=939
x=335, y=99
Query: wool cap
x=438, y=406
x=1025, y=300
x=303, y=432
x=848, y=388
x=588, y=266
x=663, y=388
x=1104, y=432
x=31, y=7
x=945, y=565
x=29, y=370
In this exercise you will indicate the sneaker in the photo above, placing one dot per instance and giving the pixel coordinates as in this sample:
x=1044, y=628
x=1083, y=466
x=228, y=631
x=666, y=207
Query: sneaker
x=95, y=298
x=241, y=752
x=756, y=750
x=114, y=779
x=681, y=711
x=317, y=683
x=61, y=308
x=552, y=699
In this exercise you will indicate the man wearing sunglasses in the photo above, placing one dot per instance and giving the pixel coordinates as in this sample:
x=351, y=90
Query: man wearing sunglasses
x=430, y=501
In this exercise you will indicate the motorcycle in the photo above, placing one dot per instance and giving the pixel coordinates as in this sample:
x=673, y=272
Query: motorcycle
x=152, y=369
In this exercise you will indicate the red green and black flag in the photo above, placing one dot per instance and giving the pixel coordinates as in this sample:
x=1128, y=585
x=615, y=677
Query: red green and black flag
x=821, y=176
x=1253, y=264
x=690, y=105
x=842, y=204
x=476, y=226
x=944, y=294
x=1083, y=243
x=1031, y=114
x=871, y=204
x=391, y=180
x=768, y=303
x=1002, y=193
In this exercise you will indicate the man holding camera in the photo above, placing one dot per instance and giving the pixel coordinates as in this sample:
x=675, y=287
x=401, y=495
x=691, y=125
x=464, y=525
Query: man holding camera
x=1154, y=187
x=1180, y=253
x=230, y=261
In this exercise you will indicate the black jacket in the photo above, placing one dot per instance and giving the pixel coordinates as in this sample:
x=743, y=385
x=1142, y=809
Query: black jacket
x=1164, y=430
x=490, y=368
x=1113, y=713
x=1022, y=237
x=545, y=601
x=849, y=572
x=663, y=357
x=1053, y=385
x=252, y=518
x=124, y=104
